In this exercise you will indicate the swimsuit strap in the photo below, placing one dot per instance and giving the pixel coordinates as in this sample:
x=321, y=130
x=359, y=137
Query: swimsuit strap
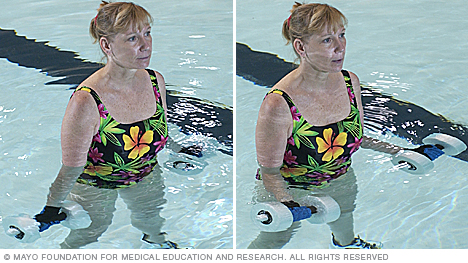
x=349, y=86
x=285, y=96
x=93, y=93
x=154, y=80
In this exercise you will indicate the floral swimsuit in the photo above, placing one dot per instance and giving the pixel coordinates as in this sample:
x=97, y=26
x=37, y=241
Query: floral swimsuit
x=120, y=155
x=316, y=155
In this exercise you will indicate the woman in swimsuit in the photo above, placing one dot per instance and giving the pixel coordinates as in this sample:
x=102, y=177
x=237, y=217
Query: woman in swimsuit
x=310, y=123
x=113, y=128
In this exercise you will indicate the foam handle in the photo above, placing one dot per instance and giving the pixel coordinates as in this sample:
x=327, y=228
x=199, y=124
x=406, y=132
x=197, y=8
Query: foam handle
x=433, y=152
x=300, y=213
x=328, y=209
x=271, y=216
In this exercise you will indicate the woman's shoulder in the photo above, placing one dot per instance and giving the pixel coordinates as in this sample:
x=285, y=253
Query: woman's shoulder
x=274, y=104
x=85, y=92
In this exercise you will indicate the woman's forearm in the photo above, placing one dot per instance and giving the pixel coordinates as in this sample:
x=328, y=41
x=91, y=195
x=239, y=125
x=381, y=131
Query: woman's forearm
x=377, y=145
x=275, y=184
x=63, y=185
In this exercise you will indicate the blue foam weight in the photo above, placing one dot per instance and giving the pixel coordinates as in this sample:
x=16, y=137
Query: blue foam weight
x=300, y=213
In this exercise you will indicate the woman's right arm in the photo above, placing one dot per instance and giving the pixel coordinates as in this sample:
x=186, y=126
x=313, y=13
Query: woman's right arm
x=79, y=125
x=274, y=125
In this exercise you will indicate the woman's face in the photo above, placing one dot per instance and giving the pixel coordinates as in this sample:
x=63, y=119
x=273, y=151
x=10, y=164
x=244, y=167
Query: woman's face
x=131, y=49
x=325, y=52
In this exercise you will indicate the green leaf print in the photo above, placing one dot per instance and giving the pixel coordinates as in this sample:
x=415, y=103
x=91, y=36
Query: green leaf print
x=108, y=177
x=301, y=133
x=132, y=166
x=329, y=167
x=158, y=125
x=353, y=125
x=303, y=179
x=108, y=130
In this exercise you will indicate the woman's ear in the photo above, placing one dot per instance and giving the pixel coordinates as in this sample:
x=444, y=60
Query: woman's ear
x=299, y=47
x=105, y=45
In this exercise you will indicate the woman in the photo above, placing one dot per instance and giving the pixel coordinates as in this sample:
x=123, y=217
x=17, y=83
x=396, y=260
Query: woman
x=310, y=123
x=113, y=128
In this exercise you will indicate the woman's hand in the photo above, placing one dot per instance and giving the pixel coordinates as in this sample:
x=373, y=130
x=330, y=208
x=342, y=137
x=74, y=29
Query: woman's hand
x=49, y=216
x=194, y=150
x=291, y=204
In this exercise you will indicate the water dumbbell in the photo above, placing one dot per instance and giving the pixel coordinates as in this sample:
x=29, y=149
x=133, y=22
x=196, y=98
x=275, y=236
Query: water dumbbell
x=26, y=229
x=187, y=164
x=275, y=216
x=416, y=163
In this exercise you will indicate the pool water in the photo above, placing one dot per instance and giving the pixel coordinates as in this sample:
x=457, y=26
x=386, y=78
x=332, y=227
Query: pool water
x=415, y=51
x=192, y=48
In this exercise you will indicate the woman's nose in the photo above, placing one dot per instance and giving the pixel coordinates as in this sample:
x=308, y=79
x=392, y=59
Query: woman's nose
x=340, y=46
x=145, y=43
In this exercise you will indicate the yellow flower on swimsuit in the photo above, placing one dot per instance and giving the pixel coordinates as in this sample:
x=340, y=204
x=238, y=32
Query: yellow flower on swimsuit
x=333, y=147
x=140, y=145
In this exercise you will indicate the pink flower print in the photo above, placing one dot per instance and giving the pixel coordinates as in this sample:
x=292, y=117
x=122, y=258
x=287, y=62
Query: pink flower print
x=146, y=170
x=146, y=158
x=341, y=160
x=128, y=177
x=156, y=93
x=289, y=158
x=319, y=178
x=125, y=174
x=161, y=143
x=341, y=171
x=295, y=113
x=102, y=111
x=291, y=141
x=355, y=146
x=97, y=138
x=351, y=95
x=95, y=155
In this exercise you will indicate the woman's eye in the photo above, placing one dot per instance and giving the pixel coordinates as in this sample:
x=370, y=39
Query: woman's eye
x=327, y=40
x=148, y=33
x=131, y=39
x=342, y=35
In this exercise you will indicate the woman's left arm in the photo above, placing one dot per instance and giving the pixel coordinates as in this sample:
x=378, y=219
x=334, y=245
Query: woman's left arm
x=368, y=142
x=194, y=150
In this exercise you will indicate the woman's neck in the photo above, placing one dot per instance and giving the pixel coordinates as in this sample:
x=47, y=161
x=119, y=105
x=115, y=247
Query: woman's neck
x=312, y=77
x=118, y=76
